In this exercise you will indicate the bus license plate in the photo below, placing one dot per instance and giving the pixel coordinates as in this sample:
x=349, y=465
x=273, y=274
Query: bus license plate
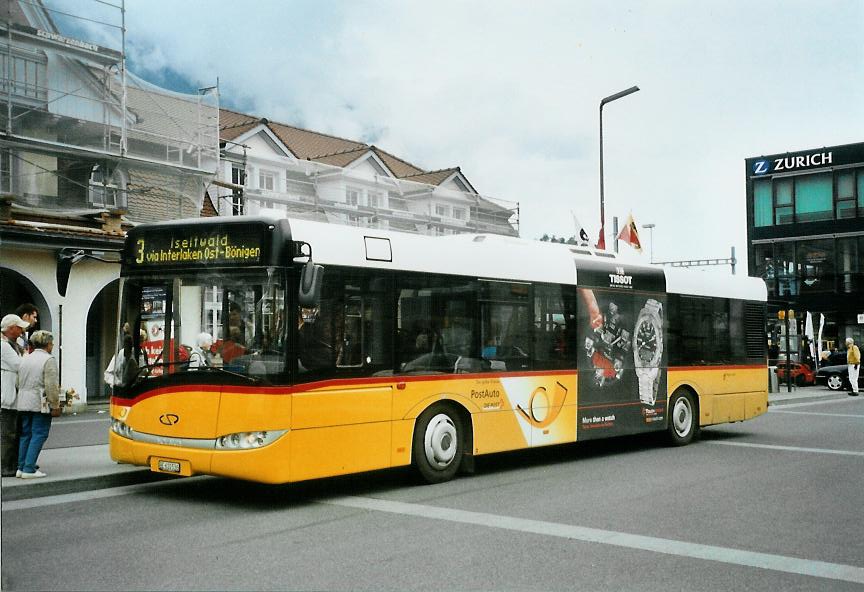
x=169, y=466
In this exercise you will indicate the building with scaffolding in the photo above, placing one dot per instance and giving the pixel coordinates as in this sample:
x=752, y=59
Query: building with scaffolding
x=307, y=174
x=86, y=150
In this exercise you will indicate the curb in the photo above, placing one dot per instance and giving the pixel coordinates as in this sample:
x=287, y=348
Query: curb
x=43, y=488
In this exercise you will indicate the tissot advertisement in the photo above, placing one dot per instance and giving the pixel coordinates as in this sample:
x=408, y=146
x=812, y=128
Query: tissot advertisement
x=622, y=362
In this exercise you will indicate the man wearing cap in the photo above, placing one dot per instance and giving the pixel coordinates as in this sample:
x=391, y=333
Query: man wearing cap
x=853, y=358
x=11, y=328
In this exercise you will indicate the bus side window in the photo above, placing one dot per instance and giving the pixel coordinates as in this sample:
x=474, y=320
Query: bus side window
x=505, y=325
x=436, y=330
x=351, y=331
x=554, y=327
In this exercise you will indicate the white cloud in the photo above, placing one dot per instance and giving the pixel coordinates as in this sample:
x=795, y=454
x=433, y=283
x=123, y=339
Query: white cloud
x=509, y=91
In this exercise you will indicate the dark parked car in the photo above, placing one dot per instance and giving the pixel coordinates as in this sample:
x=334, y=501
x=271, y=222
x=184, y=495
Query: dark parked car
x=837, y=377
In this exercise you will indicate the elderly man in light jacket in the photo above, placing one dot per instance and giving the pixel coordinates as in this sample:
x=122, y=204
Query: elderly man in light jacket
x=11, y=328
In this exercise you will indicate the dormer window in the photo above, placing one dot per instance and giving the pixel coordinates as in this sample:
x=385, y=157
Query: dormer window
x=107, y=187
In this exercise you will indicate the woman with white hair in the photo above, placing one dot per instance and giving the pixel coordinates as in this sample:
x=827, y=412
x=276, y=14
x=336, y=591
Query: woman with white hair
x=200, y=354
x=38, y=402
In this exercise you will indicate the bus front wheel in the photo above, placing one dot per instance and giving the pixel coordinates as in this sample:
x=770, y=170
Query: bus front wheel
x=683, y=419
x=438, y=444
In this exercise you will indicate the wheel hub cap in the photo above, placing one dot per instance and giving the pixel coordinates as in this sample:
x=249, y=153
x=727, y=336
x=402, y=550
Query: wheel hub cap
x=439, y=441
x=682, y=417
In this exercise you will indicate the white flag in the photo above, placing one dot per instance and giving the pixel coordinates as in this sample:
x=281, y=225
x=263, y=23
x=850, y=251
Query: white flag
x=808, y=331
x=819, y=339
x=581, y=234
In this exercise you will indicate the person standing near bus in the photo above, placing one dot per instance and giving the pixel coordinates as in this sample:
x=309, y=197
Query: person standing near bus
x=853, y=359
x=38, y=402
x=11, y=328
x=29, y=314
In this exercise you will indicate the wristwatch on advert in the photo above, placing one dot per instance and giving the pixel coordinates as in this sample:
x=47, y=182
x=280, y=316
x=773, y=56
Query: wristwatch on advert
x=648, y=349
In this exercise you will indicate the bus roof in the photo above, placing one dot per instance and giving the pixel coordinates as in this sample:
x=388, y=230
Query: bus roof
x=498, y=257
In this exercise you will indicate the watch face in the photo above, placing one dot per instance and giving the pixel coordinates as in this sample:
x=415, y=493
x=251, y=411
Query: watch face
x=647, y=343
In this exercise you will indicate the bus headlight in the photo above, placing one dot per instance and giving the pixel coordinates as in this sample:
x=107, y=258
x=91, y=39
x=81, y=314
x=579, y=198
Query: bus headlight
x=121, y=429
x=248, y=440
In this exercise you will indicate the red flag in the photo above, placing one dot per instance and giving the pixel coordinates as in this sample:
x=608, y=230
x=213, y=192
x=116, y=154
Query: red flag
x=601, y=242
x=630, y=235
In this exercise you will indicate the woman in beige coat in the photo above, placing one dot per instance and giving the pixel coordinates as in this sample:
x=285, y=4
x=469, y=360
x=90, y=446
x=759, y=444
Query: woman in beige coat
x=38, y=402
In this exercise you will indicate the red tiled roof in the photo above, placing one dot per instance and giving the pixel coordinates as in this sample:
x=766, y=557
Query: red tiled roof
x=324, y=148
x=433, y=177
x=399, y=167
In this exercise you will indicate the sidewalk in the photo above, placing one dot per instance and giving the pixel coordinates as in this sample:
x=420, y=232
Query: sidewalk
x=803, y=394
x=82, y=468
x=79, y=468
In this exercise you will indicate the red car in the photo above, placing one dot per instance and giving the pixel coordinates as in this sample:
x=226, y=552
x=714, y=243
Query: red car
x=802, y=374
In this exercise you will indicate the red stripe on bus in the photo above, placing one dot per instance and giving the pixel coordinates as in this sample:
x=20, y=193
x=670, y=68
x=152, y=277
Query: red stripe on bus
x=309, y=386
x=718, y=367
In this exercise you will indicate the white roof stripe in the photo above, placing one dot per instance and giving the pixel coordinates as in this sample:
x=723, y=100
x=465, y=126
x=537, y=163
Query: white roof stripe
x=496, y=257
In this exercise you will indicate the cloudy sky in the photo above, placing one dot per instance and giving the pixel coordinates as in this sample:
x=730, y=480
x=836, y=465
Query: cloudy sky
x=510, y=92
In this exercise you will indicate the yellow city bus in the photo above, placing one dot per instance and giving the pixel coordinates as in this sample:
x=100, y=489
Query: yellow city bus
x=283, y=350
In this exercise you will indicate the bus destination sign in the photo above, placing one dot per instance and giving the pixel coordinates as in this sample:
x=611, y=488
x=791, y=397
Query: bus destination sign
x=187, y=247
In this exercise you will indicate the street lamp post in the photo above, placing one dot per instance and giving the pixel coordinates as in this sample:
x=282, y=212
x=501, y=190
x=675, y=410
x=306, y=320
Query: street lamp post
x=608, y=99
x=650, y=227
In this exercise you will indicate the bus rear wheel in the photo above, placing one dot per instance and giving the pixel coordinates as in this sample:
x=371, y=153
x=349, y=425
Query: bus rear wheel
x=683, y=421
x=438, y=445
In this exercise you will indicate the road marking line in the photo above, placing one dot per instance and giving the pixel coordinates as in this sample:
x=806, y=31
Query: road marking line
x=788, y=448
x=808, y=403
x=782, y=563
x=817, y=413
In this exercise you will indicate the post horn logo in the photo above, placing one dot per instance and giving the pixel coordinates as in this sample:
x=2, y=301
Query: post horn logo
x=169, y=419
x=541, y=411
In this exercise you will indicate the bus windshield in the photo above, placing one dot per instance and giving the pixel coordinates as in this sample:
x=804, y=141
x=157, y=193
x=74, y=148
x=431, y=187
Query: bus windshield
x=225, y=322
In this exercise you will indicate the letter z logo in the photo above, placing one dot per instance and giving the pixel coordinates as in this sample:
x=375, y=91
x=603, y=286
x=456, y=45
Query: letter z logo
x=760, y=168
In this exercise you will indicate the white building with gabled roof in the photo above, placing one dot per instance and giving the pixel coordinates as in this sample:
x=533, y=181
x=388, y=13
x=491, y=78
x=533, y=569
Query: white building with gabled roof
x=274, y=166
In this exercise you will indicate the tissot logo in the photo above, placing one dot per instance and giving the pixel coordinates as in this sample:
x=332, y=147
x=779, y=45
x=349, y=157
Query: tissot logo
x=619, y=279
x=169, y=419
x=760, y=168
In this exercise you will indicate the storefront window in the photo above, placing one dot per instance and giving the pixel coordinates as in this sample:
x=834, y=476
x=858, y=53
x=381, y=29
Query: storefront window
x=814, y=198
x=764, y=262
x=816, y=265
x=784, y=261
x=850, y=269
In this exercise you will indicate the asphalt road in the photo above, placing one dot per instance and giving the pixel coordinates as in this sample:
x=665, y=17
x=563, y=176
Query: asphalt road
x=782, y=492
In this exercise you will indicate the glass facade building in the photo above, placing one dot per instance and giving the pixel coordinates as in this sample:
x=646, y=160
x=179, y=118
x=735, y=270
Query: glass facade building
x=805, y=237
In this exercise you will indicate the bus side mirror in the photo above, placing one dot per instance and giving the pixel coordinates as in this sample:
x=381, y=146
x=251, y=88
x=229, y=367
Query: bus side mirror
x=311, y=279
